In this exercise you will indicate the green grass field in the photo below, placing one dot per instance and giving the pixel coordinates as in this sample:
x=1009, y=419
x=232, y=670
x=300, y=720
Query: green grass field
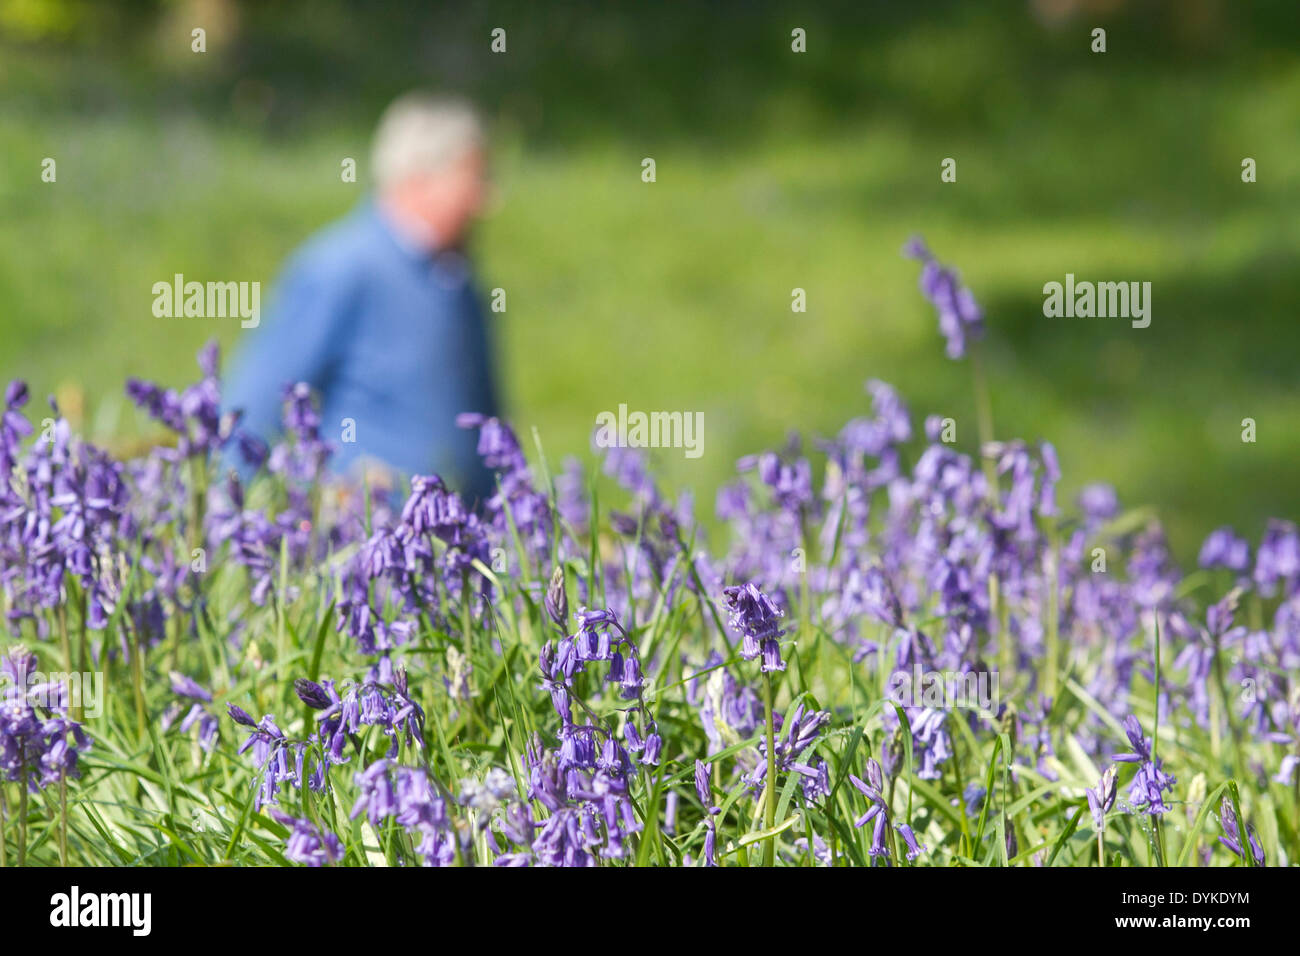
x=775, y=171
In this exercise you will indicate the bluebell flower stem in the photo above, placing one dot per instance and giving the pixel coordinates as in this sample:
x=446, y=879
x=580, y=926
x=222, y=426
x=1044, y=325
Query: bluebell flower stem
x=467, y=628
x=22, y=817
x=75, y=708
x=63, y=819
x=1227, y=709
x=960, y=783
x=137, y=681
x=1053, y=612
x=84, y=642
x=983, y=416
x=984, y=423
x=769, y=788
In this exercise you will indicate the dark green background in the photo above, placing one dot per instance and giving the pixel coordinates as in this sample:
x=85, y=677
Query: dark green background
x=775, y=171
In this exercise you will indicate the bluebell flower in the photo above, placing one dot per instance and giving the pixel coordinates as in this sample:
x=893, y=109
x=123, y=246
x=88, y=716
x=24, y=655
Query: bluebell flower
x=1102, y=797
x=39, y=743
x=914, y=849
x=1232, y=834
x=1223, y=549
x=960, y=317
x=758, y=620
x=308, y=843
x=877, y=810
x=1149, y=784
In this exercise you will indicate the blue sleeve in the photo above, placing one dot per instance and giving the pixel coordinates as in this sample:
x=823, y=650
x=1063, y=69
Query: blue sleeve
x=482, y=397
x=301, y=341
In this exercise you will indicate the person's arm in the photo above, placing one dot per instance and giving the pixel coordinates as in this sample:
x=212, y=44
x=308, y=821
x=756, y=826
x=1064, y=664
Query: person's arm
x=301, y=342
x=482, y=396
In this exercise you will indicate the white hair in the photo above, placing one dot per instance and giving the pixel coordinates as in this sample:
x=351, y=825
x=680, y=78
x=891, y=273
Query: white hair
x=422, y=133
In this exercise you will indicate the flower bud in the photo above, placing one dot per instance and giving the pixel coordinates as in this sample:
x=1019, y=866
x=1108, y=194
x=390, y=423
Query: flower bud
x=557, y=601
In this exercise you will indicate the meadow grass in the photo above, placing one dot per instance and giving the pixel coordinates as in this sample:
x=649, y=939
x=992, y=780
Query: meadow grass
x=774, y=173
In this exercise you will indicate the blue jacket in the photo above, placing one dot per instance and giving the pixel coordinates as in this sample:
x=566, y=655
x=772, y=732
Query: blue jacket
x=390, y=337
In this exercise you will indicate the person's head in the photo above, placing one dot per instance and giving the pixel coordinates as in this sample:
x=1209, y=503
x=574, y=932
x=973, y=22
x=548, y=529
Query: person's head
x=429, y=162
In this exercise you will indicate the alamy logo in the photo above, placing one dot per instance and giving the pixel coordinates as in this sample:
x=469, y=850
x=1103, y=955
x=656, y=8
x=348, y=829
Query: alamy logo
x=945, y=690
x=651, y=430
x=75, y=909
x=1104, y=300
x=211, y=300
x=59, y=691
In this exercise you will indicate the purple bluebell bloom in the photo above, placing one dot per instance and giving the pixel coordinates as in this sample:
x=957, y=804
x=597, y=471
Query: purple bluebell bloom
x=758, y=620
x=1223, y=549
x=914, y=849
x=312, y=694
x=1150, y=783
x=877, y=810
x=309, y=843
x=1102, y=797
x=960, y=318
x=1232, y=834
x=39, y=743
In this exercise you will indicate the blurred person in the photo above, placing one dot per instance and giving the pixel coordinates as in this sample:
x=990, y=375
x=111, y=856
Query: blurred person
x=379, y=314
